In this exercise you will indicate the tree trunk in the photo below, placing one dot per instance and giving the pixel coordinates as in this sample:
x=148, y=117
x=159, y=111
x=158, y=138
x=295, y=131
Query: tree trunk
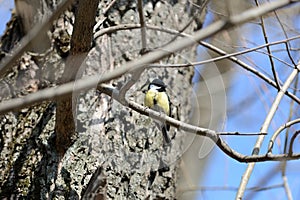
x=121, y=149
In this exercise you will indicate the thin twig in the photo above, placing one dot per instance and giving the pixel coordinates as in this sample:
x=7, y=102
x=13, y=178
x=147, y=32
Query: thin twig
x=276, y=58
x=269, y=50
x=240, y=134
x=278, y=131
x=109, y=6
x=254, y=71
x=121, y=27
x=292, y=142
x=143, y=24
x=135, y=74
x=286, y=36
x=228, y=188
x=195, y=15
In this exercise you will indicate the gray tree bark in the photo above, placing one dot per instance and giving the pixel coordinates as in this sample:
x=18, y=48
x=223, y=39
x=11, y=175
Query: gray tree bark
x=116, y=152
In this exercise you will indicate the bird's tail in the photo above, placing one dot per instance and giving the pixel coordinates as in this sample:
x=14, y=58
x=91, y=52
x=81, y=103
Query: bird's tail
x=166, y=137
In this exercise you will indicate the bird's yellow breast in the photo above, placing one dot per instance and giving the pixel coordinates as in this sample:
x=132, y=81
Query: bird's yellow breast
x=157, y=100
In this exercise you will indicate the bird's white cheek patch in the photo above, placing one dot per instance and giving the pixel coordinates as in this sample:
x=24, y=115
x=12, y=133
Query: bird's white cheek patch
x=154, y=87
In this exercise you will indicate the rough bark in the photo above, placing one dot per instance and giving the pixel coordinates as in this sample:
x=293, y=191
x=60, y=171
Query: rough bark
x=124, y=146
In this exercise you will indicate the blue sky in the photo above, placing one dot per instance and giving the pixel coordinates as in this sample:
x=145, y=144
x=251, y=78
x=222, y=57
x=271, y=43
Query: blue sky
x=223, y=171
x=5, y=13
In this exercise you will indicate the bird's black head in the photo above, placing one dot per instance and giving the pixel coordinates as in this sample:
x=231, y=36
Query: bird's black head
x=158, y=83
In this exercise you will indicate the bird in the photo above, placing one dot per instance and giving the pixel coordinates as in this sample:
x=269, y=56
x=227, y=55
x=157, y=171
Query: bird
x=157, y=99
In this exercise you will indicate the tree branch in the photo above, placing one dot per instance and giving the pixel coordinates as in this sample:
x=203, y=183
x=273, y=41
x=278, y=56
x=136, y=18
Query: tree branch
x=287, y=187
x=264, y=129
x=278, y=131
x=151, y=57
x=81, y=43
x=89, y=82
x=269, y=50
x=213, y=135
x=224, y=54
x=228, y=188
x=143, y=25
x=135, y=74
x=66, y=89
x=292, y=142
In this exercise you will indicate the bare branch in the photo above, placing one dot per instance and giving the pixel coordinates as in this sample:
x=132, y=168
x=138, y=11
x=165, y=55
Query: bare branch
x=139, y=64
x=292, y=142
x=263, y=9
x=91, y=81
x=229, y=188
x=224, y=54
x=135, y=74
x=82, y=37
x=287, y=45
x=264, y=129
x=254, y=71
x=269, y=50
x=195, y=15
x=65, y=89
x=199, y=35
x=143, y=25
x=213, y=135
x=285, y=182
x=239, y=134
x=276, y=58
x=278, y=131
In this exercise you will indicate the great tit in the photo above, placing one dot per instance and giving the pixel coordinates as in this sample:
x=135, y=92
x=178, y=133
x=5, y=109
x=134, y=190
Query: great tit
x=157, y=99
